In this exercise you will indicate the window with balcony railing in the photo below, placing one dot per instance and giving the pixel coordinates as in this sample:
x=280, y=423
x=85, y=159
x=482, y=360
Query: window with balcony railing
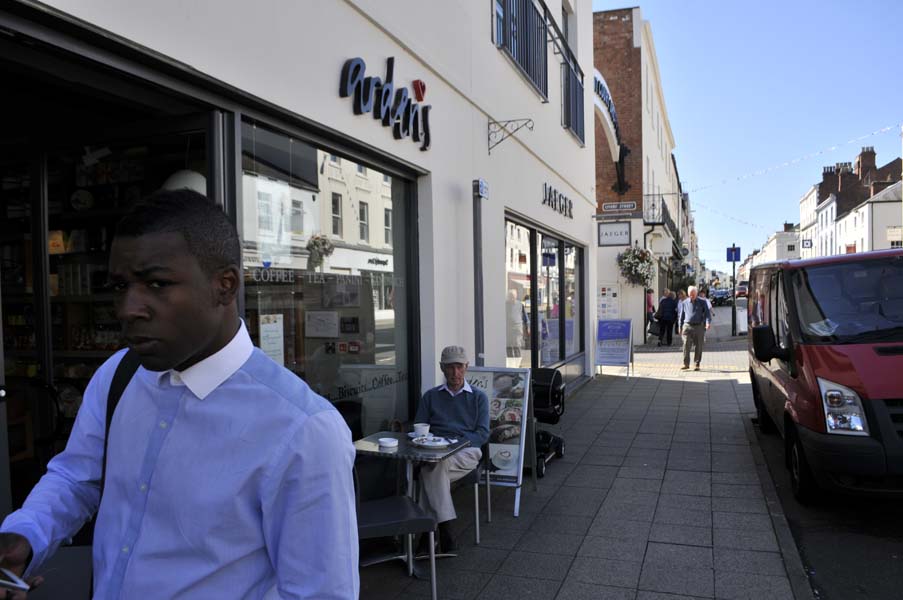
x=521, y=31
x=572, y=99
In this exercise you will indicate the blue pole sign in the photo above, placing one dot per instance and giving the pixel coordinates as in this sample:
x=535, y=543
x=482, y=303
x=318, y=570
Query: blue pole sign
x=613, y=343
x=733, y=254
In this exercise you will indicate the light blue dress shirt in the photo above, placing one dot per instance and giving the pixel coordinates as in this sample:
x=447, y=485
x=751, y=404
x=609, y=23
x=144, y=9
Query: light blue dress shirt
x=231, y=479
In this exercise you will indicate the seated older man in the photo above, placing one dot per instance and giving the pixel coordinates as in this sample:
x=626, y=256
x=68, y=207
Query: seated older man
x=454, y=410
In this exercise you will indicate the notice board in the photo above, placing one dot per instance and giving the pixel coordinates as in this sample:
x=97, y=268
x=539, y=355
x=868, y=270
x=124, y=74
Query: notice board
x=508, y=391
x=614, y=347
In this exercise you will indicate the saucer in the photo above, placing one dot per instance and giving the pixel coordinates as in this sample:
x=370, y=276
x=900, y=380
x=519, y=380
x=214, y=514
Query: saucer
x=433, y=442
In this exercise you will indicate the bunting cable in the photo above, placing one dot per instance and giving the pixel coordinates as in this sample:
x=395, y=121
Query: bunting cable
x=800, y=159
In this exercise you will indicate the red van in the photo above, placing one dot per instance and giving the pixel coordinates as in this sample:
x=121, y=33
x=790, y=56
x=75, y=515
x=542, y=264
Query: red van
x=826, y=366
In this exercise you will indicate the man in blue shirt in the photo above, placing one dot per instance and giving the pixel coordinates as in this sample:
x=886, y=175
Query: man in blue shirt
x=453, y=410
x=696, y=319
x=226, y=476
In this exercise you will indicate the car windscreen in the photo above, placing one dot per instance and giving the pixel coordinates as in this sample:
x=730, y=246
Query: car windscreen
x=851, y=303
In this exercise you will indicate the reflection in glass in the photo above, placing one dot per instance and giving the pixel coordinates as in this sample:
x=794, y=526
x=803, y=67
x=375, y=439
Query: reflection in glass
x=549, y=299
x=519, y=264
x=330, y=310
x=572, y=343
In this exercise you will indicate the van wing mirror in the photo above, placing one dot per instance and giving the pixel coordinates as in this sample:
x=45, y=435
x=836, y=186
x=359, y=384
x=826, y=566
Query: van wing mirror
x=764, y=345
x=763, y=342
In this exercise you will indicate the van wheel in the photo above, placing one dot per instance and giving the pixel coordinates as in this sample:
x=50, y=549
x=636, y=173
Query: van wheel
x=766, y=425
x=801, y=480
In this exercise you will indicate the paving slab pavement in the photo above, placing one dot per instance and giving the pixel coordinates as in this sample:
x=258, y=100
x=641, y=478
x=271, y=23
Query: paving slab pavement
x=662, y=495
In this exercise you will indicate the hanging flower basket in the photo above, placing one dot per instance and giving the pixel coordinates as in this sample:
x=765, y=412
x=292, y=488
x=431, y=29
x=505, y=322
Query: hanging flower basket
x=319, y=247
x=636, y=266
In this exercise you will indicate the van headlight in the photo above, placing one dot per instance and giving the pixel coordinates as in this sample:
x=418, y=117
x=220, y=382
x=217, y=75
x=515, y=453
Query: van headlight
x=843, y=409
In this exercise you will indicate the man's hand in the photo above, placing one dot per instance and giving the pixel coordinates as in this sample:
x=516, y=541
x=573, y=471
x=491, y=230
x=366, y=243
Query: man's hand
x=15, y=553
x=707, y=325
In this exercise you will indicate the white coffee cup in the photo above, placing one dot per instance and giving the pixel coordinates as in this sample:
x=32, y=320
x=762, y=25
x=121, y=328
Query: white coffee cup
x=421, y=429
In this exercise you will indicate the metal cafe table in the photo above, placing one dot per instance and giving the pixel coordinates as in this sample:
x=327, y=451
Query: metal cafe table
x=411, y=455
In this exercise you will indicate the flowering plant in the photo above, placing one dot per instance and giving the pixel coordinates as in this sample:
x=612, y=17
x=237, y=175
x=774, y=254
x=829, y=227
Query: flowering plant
x=319, y=247
x=636, y=266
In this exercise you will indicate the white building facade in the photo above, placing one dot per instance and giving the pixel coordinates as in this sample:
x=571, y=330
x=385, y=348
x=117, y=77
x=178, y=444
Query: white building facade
x=782, y=245
x=396, y=171
x=809, y=223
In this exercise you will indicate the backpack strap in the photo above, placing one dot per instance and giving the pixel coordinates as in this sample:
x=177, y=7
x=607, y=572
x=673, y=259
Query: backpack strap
x=121, y=378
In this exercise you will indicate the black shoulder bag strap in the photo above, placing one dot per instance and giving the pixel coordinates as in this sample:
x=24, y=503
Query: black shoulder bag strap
x=121, y=378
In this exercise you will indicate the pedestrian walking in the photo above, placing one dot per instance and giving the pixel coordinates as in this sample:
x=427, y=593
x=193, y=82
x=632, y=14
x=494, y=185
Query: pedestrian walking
x=695, y=321
x=681, y=304
x=650, y=307
x=667, y=315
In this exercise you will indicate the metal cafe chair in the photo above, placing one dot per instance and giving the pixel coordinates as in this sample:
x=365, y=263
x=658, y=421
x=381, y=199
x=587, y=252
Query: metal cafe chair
x=395, y=516
x=475, y=477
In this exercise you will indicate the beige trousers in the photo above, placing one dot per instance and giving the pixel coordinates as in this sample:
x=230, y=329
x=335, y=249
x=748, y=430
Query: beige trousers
x=436, y=480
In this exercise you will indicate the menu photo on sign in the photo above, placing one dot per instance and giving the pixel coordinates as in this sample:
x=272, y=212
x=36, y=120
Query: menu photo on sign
x=272, y=339
x=508, y=391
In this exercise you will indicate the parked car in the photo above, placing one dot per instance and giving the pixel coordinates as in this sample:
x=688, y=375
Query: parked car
x=742, y=289
x=826, y=357
x=721, y=297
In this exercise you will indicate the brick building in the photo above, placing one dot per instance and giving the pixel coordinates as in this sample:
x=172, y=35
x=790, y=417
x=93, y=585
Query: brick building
x=638, y=183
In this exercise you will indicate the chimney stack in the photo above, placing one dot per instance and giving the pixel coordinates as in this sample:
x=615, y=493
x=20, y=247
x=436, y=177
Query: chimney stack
x=828, y=183
x=865, y=162
x=845, y=177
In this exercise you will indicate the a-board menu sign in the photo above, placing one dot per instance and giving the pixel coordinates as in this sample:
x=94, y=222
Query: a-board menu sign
x=508, y=391
x=613, y=342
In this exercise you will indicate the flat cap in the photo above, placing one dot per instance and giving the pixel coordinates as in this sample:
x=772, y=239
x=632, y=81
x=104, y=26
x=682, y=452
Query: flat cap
x=453, y=354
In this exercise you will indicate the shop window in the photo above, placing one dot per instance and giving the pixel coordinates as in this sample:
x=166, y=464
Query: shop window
x=334, y=314
x=573, y=340
x=547, y=280
x=337, y=214
x=518, y=328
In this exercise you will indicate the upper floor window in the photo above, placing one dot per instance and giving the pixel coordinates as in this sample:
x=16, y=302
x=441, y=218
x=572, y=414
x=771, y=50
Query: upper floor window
x=337, y=214
x=364, y=221
x=522, y=31
x=791, y=247
x=334, y=159
x=361, y=170
x=387, y=225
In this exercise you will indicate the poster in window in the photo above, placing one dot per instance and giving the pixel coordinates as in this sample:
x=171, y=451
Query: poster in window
x=321, y=324
x=272, y=340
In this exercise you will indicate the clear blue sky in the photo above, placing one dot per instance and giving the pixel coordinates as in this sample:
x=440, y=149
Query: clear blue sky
x=751, y=85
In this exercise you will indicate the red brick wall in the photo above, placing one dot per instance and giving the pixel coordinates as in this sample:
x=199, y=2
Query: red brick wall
x=620, y=64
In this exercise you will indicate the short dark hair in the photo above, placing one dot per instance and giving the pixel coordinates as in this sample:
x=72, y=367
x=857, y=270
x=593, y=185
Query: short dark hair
x=211, y=237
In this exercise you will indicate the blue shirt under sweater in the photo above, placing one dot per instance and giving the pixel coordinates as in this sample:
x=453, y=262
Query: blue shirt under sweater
x=466, y=414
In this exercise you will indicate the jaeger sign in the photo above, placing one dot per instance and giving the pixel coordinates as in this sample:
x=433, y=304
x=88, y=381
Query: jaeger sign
x=392, y=106
x=559, y=202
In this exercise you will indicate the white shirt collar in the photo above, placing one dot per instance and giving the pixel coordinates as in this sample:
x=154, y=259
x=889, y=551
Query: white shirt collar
x=207, y=375
x=466, y=388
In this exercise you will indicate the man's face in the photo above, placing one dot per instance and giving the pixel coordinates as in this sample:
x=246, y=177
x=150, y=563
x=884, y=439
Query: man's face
x=693, y=294
x=454, y=374
x=171, y=311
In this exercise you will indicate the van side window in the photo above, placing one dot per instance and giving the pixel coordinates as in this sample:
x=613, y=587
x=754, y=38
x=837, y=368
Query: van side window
x=781, y=325
x=772, y=302
x=758, y=293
